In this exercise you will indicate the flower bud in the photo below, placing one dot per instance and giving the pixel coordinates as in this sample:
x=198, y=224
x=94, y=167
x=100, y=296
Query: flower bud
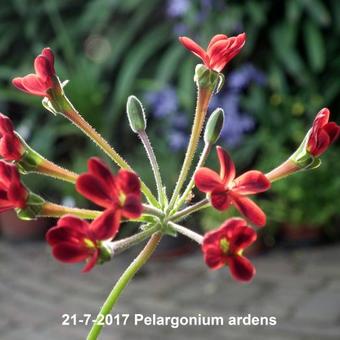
x=136, y=115
x=214, y=126
x=206, y=78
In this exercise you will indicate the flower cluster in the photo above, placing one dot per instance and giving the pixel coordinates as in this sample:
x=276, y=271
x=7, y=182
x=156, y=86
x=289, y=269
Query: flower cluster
x=89, y=236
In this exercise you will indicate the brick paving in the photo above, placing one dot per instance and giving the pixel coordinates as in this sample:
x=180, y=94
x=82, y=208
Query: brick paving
x=301, y=288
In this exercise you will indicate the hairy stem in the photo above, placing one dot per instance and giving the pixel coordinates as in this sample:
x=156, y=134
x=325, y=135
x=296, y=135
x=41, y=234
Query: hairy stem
x=203, y=158
x=73, y=115
x=191, y=209
x=154, y=165
x=129, y=273
x=55, y=210
x=285, y=169
x=187, y=232
x=203, y=98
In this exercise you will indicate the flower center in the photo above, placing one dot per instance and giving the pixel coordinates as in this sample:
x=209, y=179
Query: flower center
x=89, y=243
x=224, y=245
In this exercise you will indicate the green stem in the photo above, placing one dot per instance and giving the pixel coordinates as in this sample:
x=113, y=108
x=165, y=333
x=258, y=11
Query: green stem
x=55, y=210
x=285, y=169
x=129, y=273
x=154, y=165
x=191, y=209
x=187, y=232
x=203, y=98
x=203, y=158
x=121, y=245
x=73, y=115
x=150, y=210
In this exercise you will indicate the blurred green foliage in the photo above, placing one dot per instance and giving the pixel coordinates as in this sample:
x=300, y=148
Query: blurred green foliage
x=110, y=49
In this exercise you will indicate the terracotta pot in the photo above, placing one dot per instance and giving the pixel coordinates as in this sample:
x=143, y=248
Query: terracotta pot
x=15, y=229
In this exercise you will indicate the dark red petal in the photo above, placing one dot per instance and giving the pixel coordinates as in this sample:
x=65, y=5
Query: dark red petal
x=251, y=182
x=8, y=173
x=74, y=222
x=213, y=257
x=91, y=261
x=6, y=125
x=132, y=207
x=206, y=180
x=227, y=167
x=17, y=194
x=242, y=238
x=10, y=147
x=99, y=169
x=321, y=145
x=94, y=189
x=230, y=225
x=70, y=252
x=58, y=234
x=194, y=48
x=128, y=182
x=106, y=226
x=333, y=131
x=220, y=199
x=241, y=268
x=249, y=209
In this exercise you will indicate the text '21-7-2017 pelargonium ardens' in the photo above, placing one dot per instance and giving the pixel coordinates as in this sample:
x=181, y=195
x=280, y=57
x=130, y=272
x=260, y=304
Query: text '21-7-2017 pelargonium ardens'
x=89, y=236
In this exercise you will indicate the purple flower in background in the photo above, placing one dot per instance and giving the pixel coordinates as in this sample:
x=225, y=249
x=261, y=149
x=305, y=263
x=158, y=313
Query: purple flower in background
x=163, y=102
x=237, y=123
x=178, y=140
x=177, y=8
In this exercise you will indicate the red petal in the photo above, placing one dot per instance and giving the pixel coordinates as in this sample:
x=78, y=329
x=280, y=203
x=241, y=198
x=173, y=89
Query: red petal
x=206, y=180
x=42, y=67
x=106, y=226
x=18, y=83
x=322, y=143
x=220, y=199
x=321, y=119
x=213, y=257
x=129, y=182
x=242, y=238
x=93, y=189
x=227, y=167
x=10, y=147
x=132, y=206
x=68, y=234
x=241, y=268
x=8, y=173
x=70, y=252
x=6, y=125
x=33, y=85
x=251, y=182
x=99, y=169
x=333, y=131
x=91, y=262
x=215, y=39
x=47, y=52
x=73, y=222
x=249, y=209
x=229, y=226
x=194, y=48
x=17, y=194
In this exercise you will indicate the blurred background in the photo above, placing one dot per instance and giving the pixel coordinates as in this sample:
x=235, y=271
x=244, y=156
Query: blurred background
x=108, y=49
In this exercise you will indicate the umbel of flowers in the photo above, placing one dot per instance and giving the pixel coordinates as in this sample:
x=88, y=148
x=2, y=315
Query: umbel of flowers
x=90, y=236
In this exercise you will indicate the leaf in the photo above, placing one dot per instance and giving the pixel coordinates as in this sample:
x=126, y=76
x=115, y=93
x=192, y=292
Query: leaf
x=315, y=46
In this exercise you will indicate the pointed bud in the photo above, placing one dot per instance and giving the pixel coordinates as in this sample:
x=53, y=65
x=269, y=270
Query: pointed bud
x=214, y=126
x=136, y=115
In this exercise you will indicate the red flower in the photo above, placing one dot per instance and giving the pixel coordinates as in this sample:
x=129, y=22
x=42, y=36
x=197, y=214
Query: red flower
x=12, y=193
x=225, y=190
x=11, y=148
x=39, y=83
x=120, y=192
x=220, y=51
x=323, y=133
x=75, y=240
x=224, y=247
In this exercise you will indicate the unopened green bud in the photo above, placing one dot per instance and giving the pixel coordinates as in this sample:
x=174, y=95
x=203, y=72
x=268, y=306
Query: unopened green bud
x=214, y=126
x=136, y=115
